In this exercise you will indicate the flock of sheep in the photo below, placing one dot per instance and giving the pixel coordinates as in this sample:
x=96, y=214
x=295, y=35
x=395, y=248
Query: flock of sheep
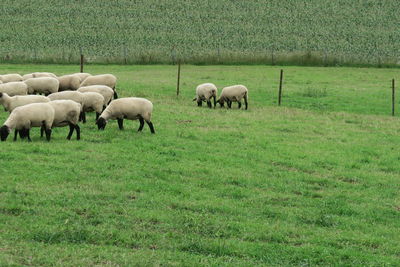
x=66, y=99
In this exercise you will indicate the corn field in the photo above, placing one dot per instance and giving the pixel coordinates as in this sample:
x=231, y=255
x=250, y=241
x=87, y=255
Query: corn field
x=313, y=32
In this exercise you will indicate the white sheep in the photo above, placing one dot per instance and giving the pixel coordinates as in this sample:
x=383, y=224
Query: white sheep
x=102, y=79
x=233, y=93
x=131, y=108
x=23, y=118
x=69, y=82
x=6, y=78
x=92, y=102
x=42, y=85
x=66, y=112
x=204, y=92
x=38, y=75
x=104, y=90
x=14, y=88
x=12, y=102
x=81, y=75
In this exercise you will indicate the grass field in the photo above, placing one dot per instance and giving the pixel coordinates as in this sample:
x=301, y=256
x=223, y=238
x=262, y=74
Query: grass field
x=314, y=182
x=313, y=32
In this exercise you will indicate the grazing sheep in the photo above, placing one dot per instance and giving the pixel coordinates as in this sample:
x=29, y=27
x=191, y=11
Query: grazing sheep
x=82, y=75
x=12, y=102
x=131, y=108
x=104, y=90
x=42, y=85
x=6, y=78
x=14, y=88
x=233, y=93
x=66, y=112
x=204, y=92
x=68, y=82
x=23, y=118
x=38, y=75
x=103, y=79
x=92, y=102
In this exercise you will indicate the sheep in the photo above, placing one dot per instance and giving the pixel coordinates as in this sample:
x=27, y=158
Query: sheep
x=14, y=88
x=23, y=118
x=204, y=92
x=6, y=78
x=69, y=82
x=1, y=81
x=82, y=75
x=131, y=108
x=38, y=75
x=45, y=85
x=10, y=103
x=104, y=90
x=103, y=79
x=66, y=112
x=233, y=93
x=92, y=102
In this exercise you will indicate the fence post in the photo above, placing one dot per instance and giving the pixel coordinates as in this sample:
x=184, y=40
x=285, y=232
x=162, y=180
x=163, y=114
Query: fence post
x=280, y=89
x=125, y=55
x=81, y=59
x=179, y=78
x=393, y=96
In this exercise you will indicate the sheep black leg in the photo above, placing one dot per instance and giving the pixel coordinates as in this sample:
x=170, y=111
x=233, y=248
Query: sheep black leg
x=239, y=104
x=215, y=101
x=15, y=135
x=229, y=103
x=209, y=103
x=199, y=103
x=71, y=130
x=48, y=134
x=78, y=132
x=245, y=103
x=41, y=131
x=27, y=133
x=141, y=124
x=120, y=124
x=83, y=117
x=151, y=126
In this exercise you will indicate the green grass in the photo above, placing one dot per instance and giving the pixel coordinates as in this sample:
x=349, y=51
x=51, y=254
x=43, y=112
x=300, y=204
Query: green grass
x=314, y=32
x=314, y=182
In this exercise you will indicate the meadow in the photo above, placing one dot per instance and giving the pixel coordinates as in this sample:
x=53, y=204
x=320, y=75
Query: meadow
x=314, y=32
x=313, y=182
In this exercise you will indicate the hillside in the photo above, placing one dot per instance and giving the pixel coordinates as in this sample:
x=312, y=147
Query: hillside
x=274, y=32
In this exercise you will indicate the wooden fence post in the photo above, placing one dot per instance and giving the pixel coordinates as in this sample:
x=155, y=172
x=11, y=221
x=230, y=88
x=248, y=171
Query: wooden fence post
x=81, y=59
x=280, y=89
x=393, y=96
x=125, y=55
x=179, y=78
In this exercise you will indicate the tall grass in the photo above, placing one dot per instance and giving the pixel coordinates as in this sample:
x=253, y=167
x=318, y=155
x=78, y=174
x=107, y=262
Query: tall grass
x=201, y=32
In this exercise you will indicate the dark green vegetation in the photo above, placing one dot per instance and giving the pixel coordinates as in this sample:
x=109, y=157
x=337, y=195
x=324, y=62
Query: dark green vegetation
x=315, y=32
x=314, y=182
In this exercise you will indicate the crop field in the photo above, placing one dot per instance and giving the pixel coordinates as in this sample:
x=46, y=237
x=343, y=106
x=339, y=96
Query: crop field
x=313, y=182
x=315, y=32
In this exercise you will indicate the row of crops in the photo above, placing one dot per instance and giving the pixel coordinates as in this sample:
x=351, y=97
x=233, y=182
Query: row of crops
x=224, y=31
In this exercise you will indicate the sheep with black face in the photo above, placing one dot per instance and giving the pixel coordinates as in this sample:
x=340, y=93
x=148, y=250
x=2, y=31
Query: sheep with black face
x=131, y=108
x=204, y=92
x=233, y=93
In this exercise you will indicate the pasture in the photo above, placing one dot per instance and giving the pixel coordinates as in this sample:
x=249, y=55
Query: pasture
x=313, y=182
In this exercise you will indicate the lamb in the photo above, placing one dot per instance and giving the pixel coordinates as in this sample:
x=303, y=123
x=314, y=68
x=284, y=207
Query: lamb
x=82, y=75
x=6, y=78
x=204, y=92
x=14, y=88
x=103, y=79
x=92, y=102
x=104, y=90
x=233, y=93
x=23, y=118
x=131, y=108
x=45, y=85
x=69, y=82
x=10, y=103
x=66, y=112
x=38, y=75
